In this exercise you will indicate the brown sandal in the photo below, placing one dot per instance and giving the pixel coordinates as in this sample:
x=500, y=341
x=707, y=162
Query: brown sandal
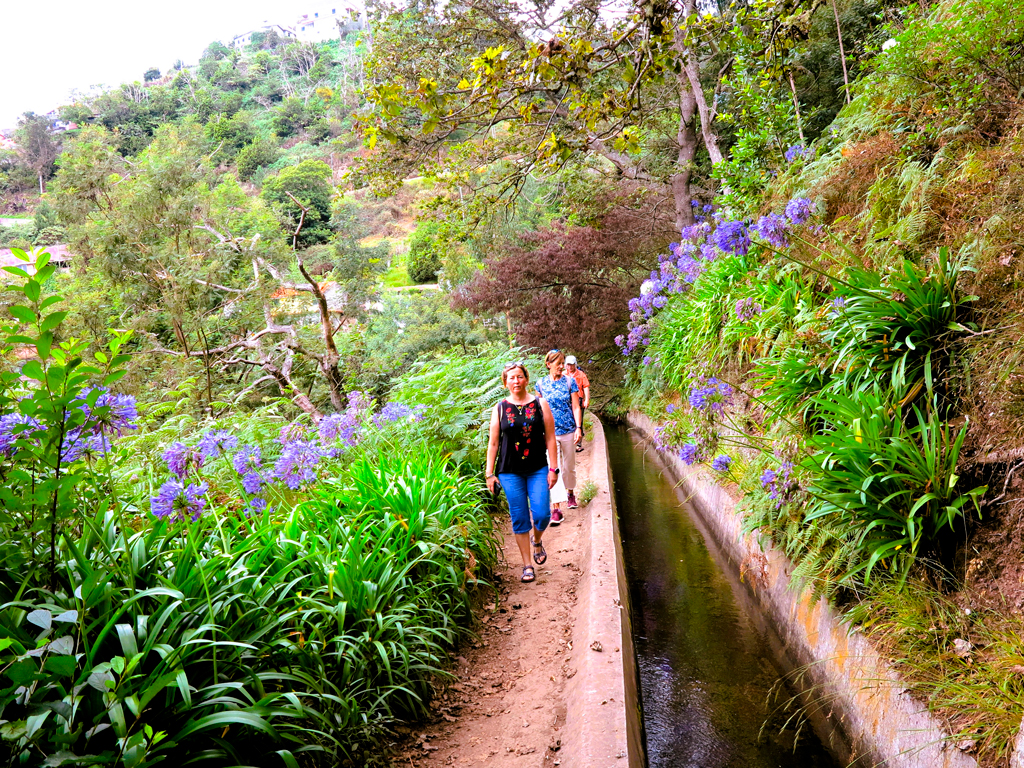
x=540, y=557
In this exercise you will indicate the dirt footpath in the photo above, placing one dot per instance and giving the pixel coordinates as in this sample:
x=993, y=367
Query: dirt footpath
x=508, y=706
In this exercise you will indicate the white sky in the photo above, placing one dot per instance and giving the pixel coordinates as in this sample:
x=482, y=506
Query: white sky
x=55, y=46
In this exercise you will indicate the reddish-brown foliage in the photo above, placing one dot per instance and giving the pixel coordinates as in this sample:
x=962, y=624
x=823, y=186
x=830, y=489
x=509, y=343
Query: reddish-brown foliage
x=566, y=287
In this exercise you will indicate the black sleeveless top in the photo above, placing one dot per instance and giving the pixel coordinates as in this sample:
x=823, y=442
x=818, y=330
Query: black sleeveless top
x=522, y=449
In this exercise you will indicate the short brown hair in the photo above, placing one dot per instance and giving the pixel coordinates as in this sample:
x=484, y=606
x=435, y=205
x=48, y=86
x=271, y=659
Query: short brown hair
x=553, y=356
x=511, y=367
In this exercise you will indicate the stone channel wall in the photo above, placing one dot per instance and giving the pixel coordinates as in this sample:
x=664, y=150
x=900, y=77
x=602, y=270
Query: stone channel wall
x=862, y=708
x=602, y=725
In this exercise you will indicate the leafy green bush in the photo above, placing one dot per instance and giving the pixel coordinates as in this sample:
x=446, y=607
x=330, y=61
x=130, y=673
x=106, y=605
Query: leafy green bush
x=260, y=153
x=299, y=630
x=455, y=393
x=308, y=183
x=891, y=486
x=50, y=236
x=306, y=632
x=424, y=261
x=960, y=65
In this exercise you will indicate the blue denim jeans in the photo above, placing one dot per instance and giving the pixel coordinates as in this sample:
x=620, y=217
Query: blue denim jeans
x=526, y=492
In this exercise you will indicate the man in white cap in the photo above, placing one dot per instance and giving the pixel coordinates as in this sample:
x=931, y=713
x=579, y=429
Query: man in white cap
x=573, y=371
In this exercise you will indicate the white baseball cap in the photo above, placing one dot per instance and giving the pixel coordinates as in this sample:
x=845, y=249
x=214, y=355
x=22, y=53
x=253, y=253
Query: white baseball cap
x=570, y=360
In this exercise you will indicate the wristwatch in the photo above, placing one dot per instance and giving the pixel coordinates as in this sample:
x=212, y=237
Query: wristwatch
x=555, y=470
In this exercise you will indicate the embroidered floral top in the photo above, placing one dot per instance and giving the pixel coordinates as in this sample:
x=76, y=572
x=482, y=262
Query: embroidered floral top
x=559, y=396
x=522, y=449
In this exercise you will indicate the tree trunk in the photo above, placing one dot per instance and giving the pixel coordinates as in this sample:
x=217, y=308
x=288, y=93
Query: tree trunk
x=842, y=53
x=796, y=106
x=329, y=359
x=686, y=138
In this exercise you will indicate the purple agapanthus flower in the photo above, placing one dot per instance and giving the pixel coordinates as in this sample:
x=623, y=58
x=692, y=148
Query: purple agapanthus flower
x=721, y=463
x=175, y=501
x=709, y=393
x=670, y=408
x=180, y=457
x=256, y=507
x=797, y=151
x=216, y=442
x=781, y=486
x=248, y=462
x=252, y=482
x=647, y=360
x=799, y=210
x=747, y=309
x=14, y=426
x=111, y=411
x=688, y=453
x=248, y=458
x=391, y=413
x=290, y=432
x=297, y=463
x=773, y=229
x=838, y=305
x=79, y=443
x=732, y=237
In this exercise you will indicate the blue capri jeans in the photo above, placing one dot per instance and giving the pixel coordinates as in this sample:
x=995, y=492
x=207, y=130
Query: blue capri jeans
x=521, y=489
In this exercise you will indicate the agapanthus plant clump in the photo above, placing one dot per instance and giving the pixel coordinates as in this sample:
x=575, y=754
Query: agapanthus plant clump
x=710, y=238
x=103, y=416
x=262, y=474
x=693, y=433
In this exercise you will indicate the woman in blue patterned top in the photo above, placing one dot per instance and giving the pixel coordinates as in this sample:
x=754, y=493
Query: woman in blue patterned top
x=562, y=395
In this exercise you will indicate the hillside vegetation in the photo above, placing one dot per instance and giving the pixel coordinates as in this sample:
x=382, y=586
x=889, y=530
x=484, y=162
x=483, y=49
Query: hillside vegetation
x=241, y=473
x=843, y=342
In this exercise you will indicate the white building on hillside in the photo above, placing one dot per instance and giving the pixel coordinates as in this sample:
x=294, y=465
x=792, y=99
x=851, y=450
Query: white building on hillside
x=240, y=41
x=319, y=24
x=328, y=23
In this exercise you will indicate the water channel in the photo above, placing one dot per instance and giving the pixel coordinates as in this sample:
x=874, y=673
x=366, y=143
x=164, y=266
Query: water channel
x=708, y=682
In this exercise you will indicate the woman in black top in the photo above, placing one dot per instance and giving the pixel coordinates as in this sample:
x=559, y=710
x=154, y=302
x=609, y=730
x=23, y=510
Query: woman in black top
x=524, y=429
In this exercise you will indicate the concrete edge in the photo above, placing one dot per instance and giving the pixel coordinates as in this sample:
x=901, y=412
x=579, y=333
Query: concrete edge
x=864, y=711
x=603, y=726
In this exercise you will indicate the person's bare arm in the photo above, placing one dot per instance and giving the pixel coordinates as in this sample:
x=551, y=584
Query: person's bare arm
x=552, y=444
x=492, y=450
x=578, y=413
x=586, y=396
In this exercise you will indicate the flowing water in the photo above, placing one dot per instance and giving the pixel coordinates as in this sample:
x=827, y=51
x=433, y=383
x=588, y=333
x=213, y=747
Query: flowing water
x=708, y=682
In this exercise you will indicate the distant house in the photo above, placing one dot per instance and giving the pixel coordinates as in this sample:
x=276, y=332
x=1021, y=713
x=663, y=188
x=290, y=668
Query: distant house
x=328, y=23
x=60, y=257
x=242, y=40
x=302, y=304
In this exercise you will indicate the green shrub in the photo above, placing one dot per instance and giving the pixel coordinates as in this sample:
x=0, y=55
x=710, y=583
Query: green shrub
x=424, y=261
x=45, y=216
x=261, y=153
x=305, y=632
x=50, y=236
x=309, y=184
x=890, y=483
